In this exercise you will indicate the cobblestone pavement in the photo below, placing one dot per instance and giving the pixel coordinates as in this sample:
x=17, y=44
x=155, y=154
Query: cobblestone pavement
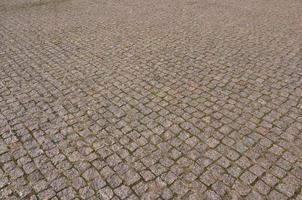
x=154, y=99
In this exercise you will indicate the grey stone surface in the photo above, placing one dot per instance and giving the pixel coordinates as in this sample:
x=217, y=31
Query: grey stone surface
x=133, y=99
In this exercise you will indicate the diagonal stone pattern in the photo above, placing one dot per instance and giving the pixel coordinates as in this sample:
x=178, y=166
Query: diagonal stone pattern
x=191, y=99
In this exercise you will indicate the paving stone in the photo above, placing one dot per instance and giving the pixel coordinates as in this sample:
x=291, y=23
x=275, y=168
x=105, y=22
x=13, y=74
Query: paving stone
x=59, y=184
x=67, y=194
x=150, y=100
x=179, y=188
x=248, y=178
x=86, y=192
x=286, y=189
x=274, y=195
x=208, y=178
x=262, y=187
x=97, y=184
x=270, y=180
x=131, y=177
x=114, y=181
x=257, y=170
x=46, y=194
x=123, y=191
x=106, y=193
x=241, y=188
x=254, y=195
x=212, y=195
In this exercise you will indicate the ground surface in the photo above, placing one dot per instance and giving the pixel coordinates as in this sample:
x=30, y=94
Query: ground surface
x=155, y=99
